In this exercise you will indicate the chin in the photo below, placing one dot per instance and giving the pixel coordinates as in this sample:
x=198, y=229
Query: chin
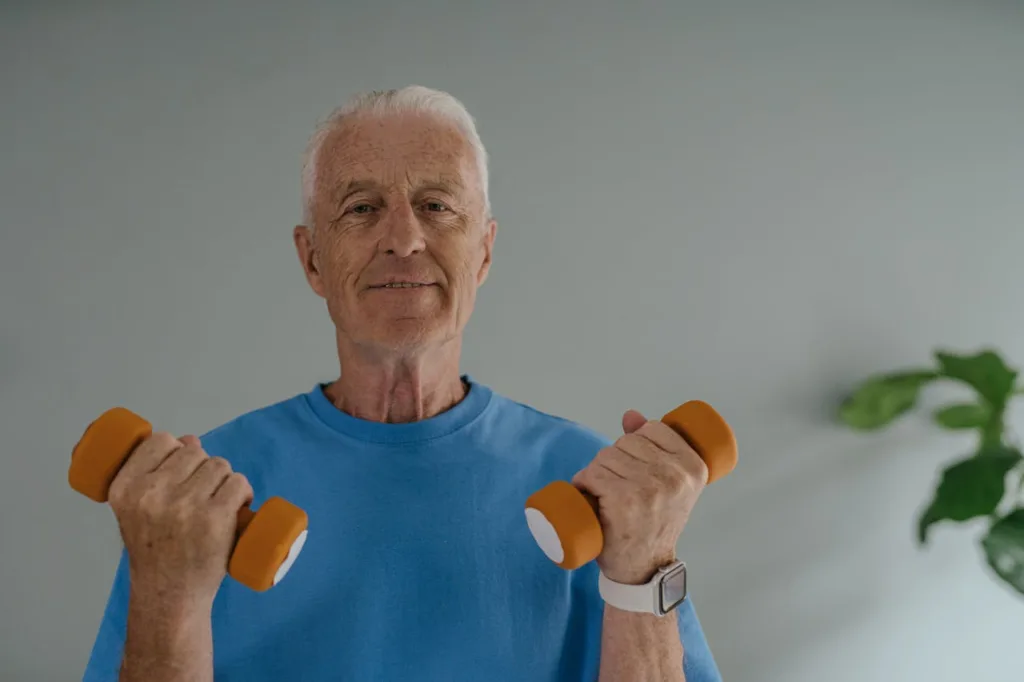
x=410, y=334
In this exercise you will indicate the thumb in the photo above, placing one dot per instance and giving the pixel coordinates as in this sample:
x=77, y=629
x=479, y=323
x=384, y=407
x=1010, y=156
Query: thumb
x=632, y=420
x=189, y=440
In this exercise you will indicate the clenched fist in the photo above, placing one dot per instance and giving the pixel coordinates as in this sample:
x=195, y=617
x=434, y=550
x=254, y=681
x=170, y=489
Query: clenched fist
x=177, y=510
x=646, y=484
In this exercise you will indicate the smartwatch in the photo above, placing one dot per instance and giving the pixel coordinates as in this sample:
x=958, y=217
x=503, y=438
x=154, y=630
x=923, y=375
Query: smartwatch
x=659, y=596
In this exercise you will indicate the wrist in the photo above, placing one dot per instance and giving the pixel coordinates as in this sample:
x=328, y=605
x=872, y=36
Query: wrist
x=640, y=573
x=167, y=639
x=659, y=594
x=167, y=607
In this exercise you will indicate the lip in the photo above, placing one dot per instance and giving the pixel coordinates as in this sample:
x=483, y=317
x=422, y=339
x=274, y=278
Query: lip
x=384, y=285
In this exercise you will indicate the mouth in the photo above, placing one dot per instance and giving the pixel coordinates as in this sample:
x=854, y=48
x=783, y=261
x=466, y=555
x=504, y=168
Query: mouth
x=402, y=285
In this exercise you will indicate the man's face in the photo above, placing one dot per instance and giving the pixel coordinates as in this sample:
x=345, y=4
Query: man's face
x=401, y=239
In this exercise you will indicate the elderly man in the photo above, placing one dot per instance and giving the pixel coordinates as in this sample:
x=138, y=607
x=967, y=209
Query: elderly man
x=419, y=564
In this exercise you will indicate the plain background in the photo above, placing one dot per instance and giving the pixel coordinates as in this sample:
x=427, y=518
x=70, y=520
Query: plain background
x=754, y=203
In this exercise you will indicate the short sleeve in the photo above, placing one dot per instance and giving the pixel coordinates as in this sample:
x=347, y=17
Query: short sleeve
x=698, y=662
x=105, y=659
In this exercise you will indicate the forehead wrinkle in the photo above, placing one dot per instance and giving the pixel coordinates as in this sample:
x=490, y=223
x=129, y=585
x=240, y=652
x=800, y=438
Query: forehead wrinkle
x=352, y=155
x=352, y=176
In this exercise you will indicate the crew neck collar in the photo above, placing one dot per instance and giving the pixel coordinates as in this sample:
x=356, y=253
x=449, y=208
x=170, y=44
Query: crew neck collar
x=476, y=400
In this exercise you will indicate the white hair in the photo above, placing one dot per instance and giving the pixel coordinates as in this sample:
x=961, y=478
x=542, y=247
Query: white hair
x=410, y=99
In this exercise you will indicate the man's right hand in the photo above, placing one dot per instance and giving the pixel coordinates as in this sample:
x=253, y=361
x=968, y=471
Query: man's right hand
x=177, y=510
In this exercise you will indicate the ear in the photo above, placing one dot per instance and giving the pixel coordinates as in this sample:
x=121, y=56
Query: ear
x=309, y=258
x=488, y=246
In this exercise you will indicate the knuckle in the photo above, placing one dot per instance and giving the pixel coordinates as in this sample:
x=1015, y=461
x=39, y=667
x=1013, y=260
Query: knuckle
x=582, y=477
x=116, y=492
x=237, y=484
x=596, y=472
x=625, y=441
x=148, y=504
x=162, y=440
x=666, y=479
x=646, y=491
x=233, y=492
x=242, y=482
x=690, y=461
x=660, y=430
x=218, y=465
x=184, y=457
x=700, y=471
x=189, y=451
x=676, y=476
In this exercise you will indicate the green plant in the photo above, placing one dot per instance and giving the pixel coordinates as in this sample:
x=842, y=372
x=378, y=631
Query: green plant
x=975, y=486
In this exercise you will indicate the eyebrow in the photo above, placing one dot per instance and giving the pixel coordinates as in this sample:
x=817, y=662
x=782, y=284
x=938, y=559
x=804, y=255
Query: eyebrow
x=353, y=186
x=445, y=184
x=451, y=185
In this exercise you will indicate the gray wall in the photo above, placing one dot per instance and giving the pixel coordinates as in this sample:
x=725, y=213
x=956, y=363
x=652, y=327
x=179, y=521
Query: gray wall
x=752, y=203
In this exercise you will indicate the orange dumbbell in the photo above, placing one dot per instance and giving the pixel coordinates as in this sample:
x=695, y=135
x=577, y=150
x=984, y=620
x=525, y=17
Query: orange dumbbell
x=267, y=541
x=564, y=520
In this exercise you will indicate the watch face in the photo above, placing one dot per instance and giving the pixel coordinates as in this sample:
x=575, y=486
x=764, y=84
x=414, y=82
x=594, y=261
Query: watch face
x=673, y=588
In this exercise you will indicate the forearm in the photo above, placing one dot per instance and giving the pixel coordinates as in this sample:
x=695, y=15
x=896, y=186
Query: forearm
x=167, y=643
x=638, y=647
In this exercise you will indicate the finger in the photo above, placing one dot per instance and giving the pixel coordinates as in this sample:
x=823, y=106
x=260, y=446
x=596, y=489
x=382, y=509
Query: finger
x=666, y=436
x=149, y=455
x=181, y=464
x=673, y=442
x=663, y=436
x=624, y=464
x=233, y=493
x=640, y=448
x=207, y=478
x=597, y=480
x=632, y=420
x=657, y=441
x=190, y=440
x=664, y=464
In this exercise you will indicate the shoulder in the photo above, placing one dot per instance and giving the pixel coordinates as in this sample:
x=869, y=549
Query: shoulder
x=543, y=435
x=548, y=424
x=250, y=439
x=270, y=417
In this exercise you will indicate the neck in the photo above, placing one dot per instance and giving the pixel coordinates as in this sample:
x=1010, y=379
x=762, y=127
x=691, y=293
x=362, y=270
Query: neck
x=397, y=389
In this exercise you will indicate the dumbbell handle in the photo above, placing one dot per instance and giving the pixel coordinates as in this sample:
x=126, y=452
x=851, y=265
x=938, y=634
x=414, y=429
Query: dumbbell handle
x=245, y=517
x=565, y=520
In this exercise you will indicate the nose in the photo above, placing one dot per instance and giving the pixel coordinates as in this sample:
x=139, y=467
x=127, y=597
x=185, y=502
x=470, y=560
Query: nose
x=403, y=234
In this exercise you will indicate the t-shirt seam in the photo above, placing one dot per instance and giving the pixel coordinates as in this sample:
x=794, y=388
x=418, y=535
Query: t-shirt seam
x=307, y=402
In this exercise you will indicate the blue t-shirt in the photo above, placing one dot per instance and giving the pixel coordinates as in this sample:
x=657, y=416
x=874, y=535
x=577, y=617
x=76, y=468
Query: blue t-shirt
x=419, y=564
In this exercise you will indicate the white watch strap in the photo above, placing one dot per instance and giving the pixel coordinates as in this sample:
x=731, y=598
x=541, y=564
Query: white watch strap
x=636, y=598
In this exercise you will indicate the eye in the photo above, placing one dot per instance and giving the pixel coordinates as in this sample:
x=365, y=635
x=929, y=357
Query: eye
x=435, y=206
x=360, y=209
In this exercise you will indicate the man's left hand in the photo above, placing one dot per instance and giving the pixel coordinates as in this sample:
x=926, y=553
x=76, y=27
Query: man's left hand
x=646, y=484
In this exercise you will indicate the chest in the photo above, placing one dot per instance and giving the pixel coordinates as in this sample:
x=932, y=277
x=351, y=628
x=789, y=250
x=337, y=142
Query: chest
x=403, y=578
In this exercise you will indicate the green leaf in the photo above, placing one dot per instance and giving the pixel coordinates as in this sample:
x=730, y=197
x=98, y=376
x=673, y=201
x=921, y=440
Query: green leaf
x=881, y=399
x=970, y=488
x=1004, y=548
x=963, y=416
x=984, y=371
